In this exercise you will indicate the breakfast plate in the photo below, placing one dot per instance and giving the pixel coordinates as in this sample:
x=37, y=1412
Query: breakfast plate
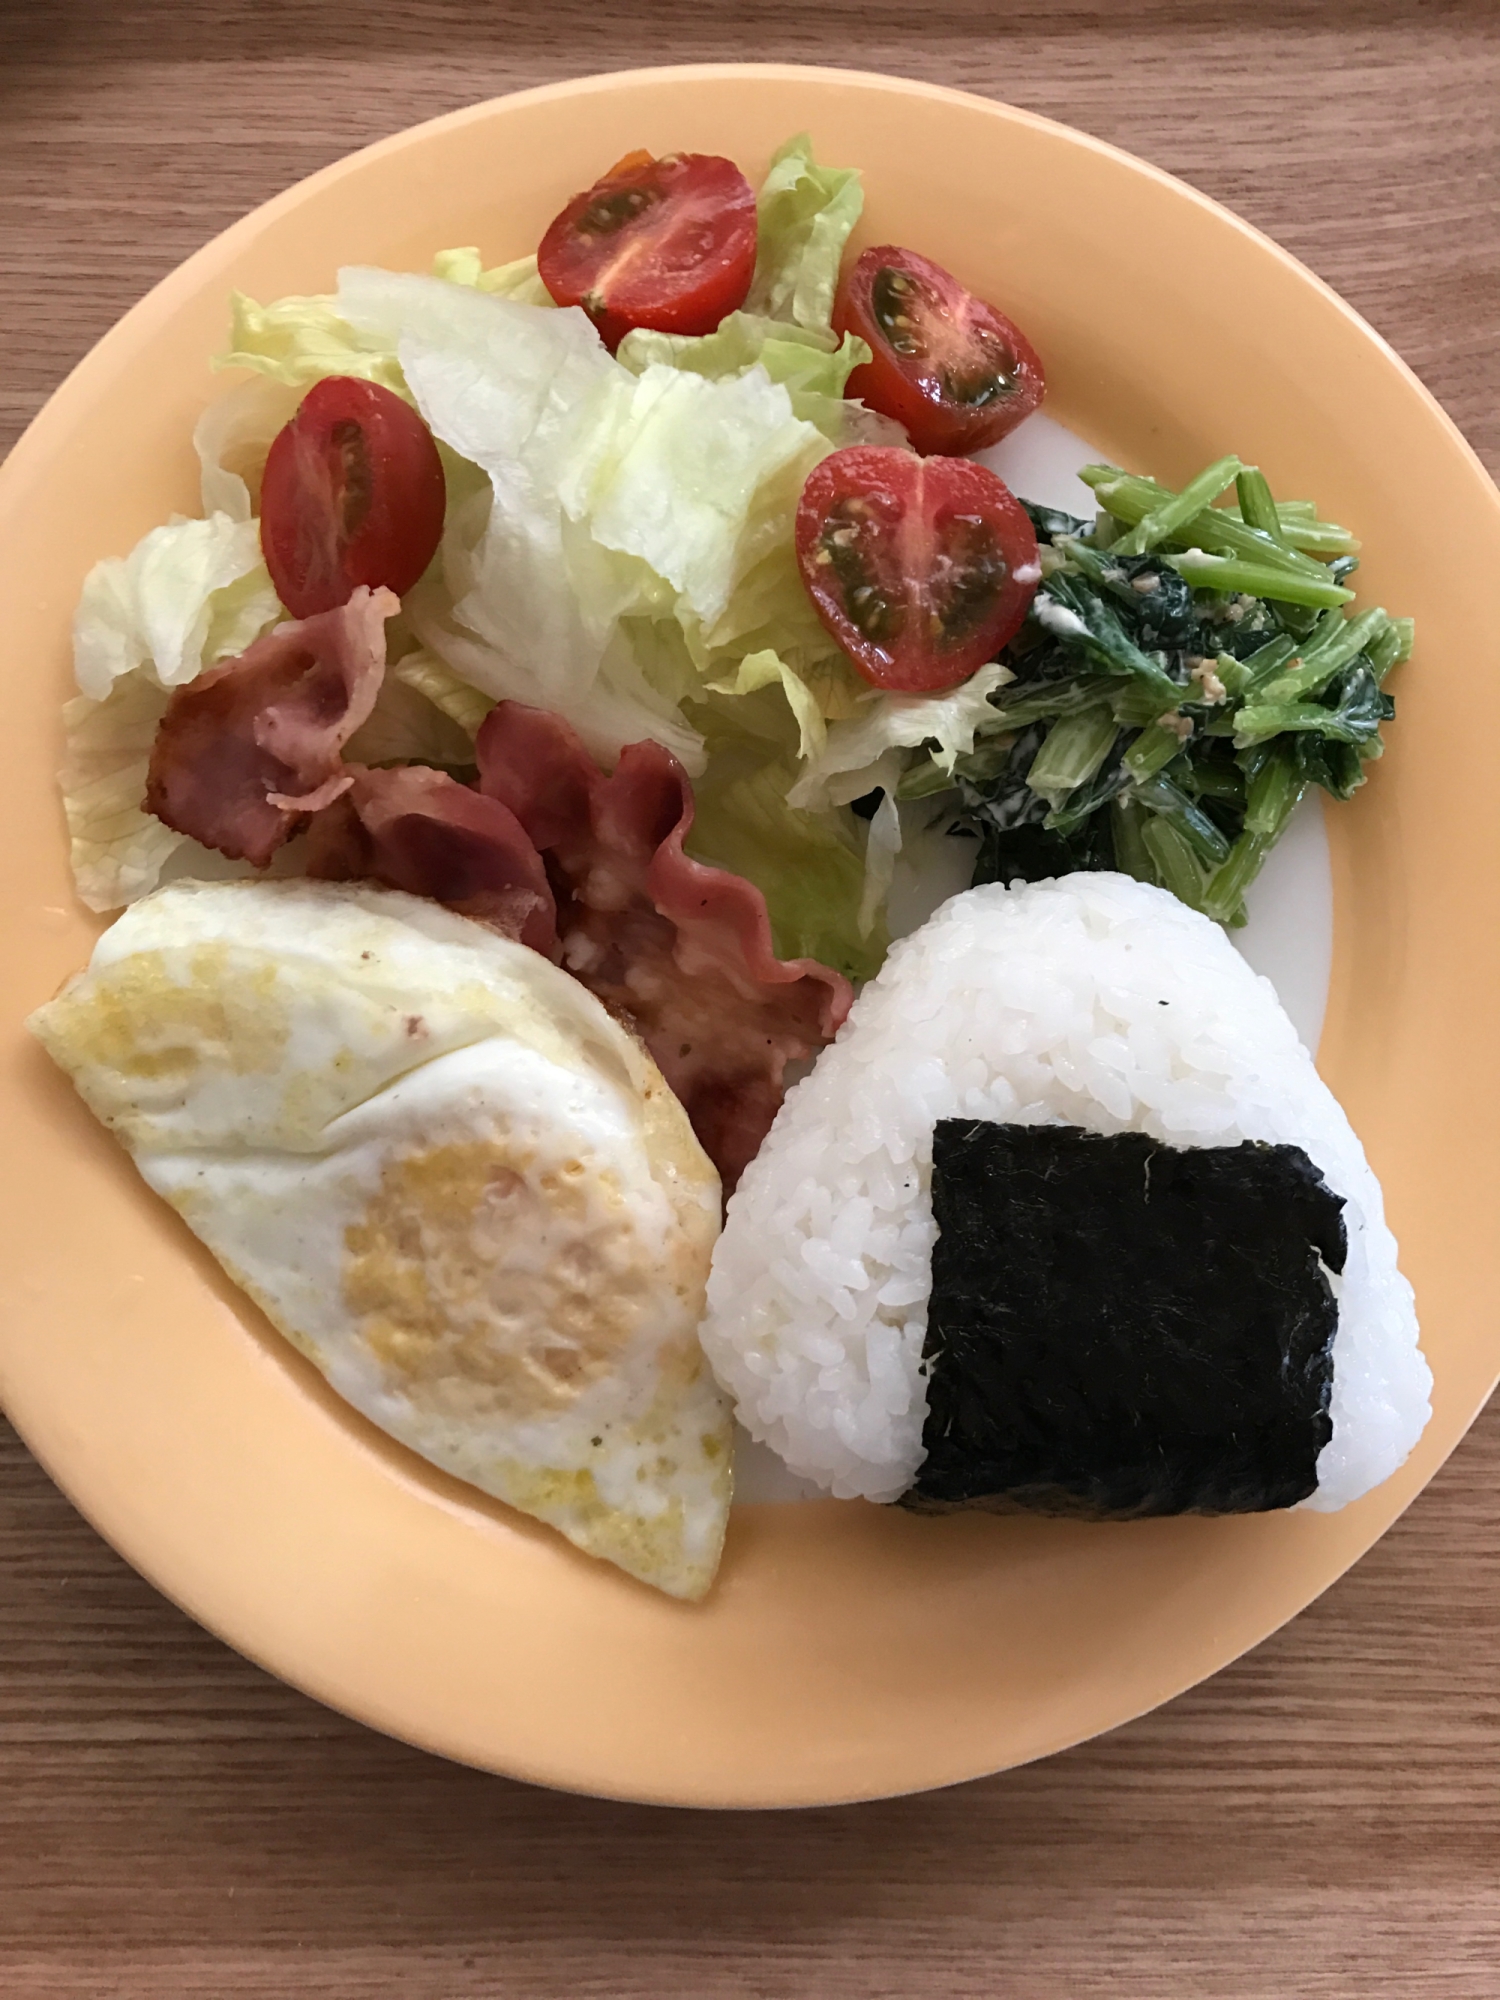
x=847, y=1650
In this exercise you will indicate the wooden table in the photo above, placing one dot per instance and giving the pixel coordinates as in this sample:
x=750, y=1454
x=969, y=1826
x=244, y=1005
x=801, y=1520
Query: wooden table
x=1321, y=1819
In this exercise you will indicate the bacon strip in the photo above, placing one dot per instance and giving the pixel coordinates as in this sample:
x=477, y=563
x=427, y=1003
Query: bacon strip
x=582, y=867
x=250, y=748
x=579, y=866
x=420, y=830
x=682, y=949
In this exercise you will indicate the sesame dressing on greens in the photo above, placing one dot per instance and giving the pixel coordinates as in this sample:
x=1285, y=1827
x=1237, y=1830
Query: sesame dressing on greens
x=1187, y=673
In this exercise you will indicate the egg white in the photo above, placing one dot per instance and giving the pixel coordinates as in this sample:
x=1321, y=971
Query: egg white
x=446, y=1175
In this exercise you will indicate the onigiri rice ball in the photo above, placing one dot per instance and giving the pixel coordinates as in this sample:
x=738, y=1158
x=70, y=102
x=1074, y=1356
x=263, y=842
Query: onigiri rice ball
x=1097, y=1003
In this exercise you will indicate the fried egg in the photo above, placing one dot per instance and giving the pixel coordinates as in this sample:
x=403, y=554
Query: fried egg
x=448, y=1177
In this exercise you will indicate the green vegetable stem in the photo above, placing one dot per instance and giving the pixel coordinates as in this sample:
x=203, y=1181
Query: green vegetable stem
x=1194, y=664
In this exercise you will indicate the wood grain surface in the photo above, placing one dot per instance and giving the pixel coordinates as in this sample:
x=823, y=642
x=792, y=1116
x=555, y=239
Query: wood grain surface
x=1322, y=1818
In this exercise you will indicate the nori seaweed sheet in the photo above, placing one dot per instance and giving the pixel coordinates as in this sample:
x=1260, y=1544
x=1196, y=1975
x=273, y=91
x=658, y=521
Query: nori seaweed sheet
x=1120, y=1328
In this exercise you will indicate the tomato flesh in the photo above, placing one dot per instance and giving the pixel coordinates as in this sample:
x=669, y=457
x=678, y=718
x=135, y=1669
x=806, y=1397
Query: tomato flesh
x=956, y=372
x=921, y=569
x=667, y=244
x=353, y=494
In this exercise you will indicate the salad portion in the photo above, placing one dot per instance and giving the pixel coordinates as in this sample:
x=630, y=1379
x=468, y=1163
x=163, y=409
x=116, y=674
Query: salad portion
x=680, y=489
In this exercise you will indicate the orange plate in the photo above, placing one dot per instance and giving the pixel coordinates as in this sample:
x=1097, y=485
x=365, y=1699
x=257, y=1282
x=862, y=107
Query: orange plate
x=847, y=1651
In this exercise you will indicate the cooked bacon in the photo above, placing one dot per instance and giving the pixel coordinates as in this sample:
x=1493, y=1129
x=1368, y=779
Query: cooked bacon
x=681, y=949
x=420, y=830
x=251, y=747
x=582, y=867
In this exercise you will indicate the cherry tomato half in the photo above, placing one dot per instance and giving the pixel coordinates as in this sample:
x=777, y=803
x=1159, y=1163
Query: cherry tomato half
x=666, y=243
x=950, y=368
x=921, y=568
x=353, y=493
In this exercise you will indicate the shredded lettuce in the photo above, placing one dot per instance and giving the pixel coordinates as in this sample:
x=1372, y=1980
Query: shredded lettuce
x=882, y=847
x=188, y=592
x=516, y=280
x=437, y=682
x=811, y=363
x=117, y=849
x=406, y=726
x=620, y=706
x=300, y=340
x=768, y=669
x=770, y=608
x=232, y=439
x=810, y=867
x=696, y=478
x=805, y=214
x=857, y=755
x=619, y=502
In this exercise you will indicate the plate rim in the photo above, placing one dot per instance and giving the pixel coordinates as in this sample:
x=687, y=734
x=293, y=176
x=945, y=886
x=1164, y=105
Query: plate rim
x=602, y=81
x=161, y=301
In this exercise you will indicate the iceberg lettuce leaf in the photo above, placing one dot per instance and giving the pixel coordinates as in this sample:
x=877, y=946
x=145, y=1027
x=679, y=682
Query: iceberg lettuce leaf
x=799, y=357
x=861, y=753
x=432, y=678
x=621, y=506
x=805, y=214
x=811, y=363
x=619, y=706
x=188, y=592
x=882, y=847
x=117, y=849
x=504, y=385
x=519, y=279
x=810, y=867
x=768, y=669
x=407, y=726
x=696, y=478
x=299, y=340
x=769, y=607
x=239, y=612
x=232, y=438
